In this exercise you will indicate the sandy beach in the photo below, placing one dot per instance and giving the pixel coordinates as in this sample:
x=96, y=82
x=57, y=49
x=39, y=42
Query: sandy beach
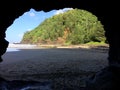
x=68, y=66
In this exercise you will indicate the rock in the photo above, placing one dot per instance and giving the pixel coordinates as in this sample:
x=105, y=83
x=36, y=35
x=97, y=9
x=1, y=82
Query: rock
x=105, y=79
x=24, y=85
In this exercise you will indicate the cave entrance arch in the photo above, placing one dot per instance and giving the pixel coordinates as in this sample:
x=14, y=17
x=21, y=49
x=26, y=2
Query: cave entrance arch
x=63, y=66
x=99, y=8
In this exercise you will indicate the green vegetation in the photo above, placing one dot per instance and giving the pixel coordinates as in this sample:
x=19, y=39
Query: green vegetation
x=72, y=27
x=97, y=43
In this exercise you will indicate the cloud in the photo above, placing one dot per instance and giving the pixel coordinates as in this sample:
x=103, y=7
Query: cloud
x=62, y=10
x=29, y=29
x=59, y=12
x=20, y=35
x=32, y=14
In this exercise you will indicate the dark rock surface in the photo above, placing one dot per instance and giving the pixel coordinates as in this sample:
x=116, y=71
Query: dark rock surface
x=24, y=85
x=106, y=79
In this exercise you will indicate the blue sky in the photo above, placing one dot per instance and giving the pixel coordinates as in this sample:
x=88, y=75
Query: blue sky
x=28, y=21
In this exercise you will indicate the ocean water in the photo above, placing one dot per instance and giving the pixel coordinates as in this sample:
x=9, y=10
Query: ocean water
x=12, y=49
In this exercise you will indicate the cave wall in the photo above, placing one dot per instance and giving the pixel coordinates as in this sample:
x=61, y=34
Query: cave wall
x=106, y=11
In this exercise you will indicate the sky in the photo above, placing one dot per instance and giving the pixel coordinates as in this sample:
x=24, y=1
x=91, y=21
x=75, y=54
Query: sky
x=28, y=21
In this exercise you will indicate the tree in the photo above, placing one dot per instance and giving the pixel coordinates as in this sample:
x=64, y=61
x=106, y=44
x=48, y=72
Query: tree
x=74, y=26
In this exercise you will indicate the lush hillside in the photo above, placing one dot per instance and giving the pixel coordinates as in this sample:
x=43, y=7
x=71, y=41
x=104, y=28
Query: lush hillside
x=73, y=27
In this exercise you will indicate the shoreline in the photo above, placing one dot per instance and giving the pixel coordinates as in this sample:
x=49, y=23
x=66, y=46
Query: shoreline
x=21, y=46
x=52, y=64
x=58, y=65
x=34, y=46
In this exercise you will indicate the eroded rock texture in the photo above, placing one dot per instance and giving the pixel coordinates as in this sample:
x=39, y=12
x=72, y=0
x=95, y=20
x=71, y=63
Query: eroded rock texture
x=106, y=11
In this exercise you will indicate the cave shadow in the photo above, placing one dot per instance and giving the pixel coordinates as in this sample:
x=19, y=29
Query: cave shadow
x=61, y=77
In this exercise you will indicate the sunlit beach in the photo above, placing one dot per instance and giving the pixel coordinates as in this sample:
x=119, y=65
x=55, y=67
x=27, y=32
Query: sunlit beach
x=21, y=46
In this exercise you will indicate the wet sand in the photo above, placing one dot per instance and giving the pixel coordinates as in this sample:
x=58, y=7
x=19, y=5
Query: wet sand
x=53, y=64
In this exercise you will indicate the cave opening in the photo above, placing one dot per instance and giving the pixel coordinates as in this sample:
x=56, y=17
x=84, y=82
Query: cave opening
x=52, y=63
x=107, y=78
